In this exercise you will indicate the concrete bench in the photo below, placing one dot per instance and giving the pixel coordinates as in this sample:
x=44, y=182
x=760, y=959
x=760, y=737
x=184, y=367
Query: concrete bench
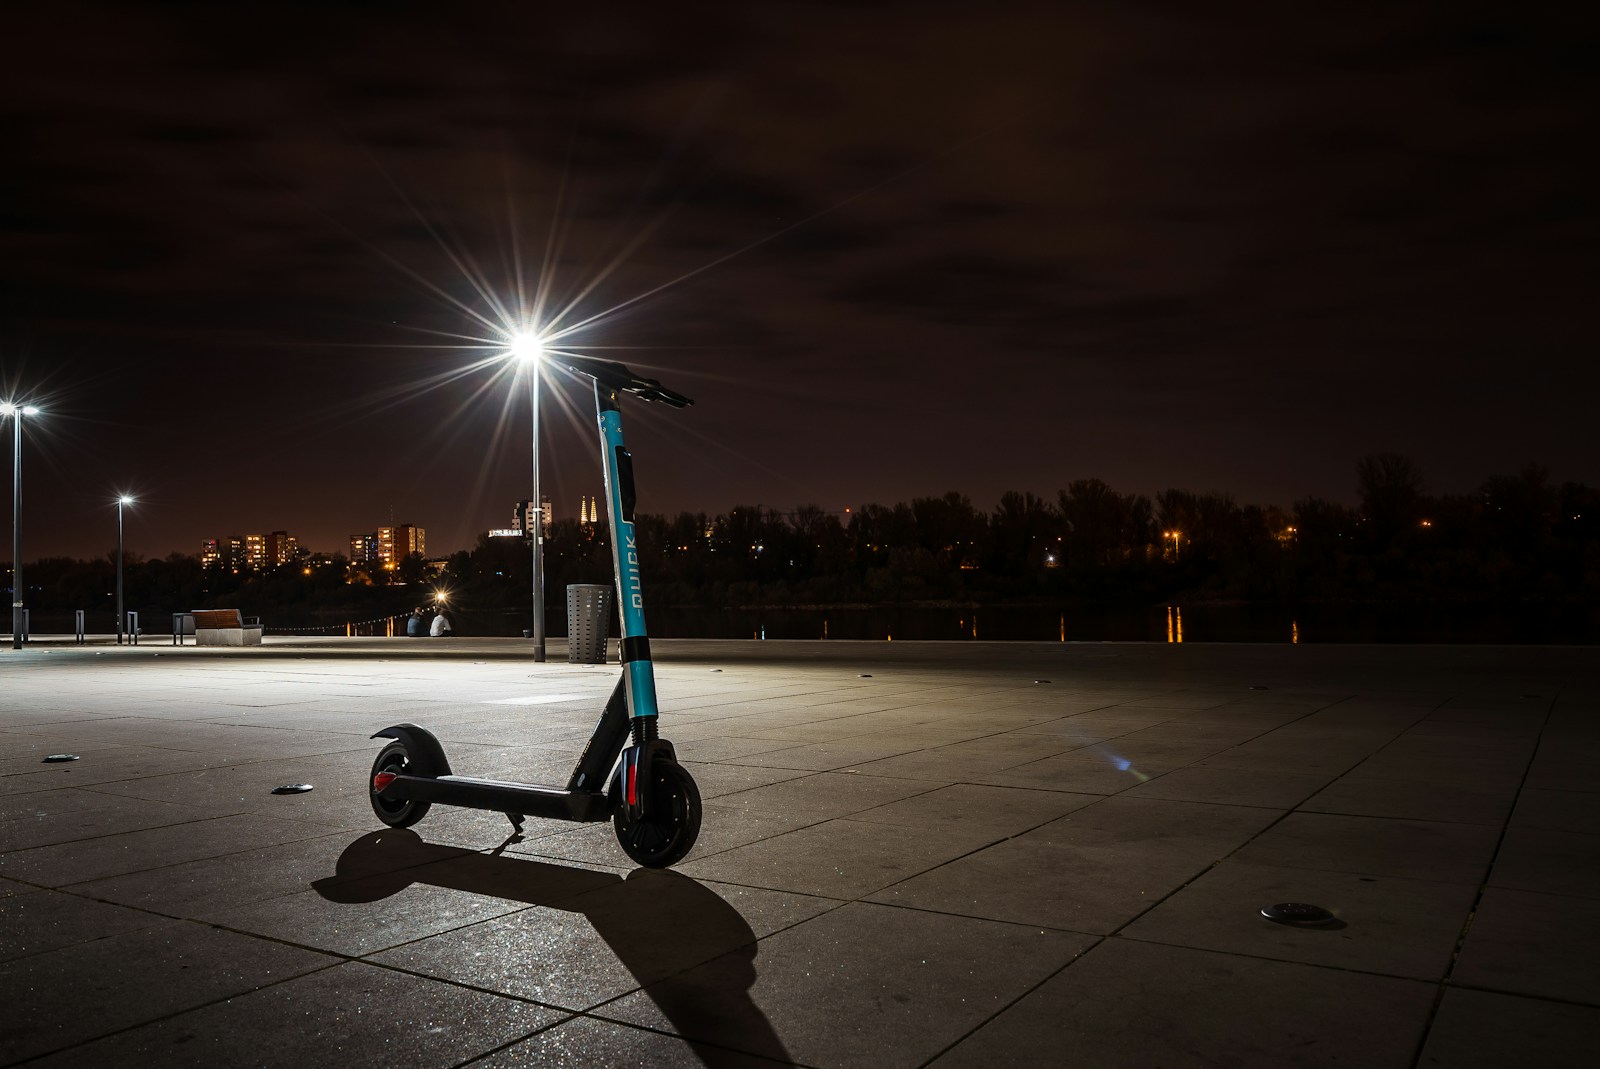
x=225, y=627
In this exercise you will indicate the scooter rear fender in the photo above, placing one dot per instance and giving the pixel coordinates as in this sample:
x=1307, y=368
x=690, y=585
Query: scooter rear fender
x=427, y=756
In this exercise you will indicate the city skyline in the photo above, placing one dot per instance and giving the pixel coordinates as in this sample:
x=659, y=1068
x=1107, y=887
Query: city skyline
x=890, y=251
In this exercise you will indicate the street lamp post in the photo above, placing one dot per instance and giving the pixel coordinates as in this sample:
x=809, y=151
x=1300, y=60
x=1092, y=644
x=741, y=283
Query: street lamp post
x=18, y=600
x=122, y=500
x=530, y=350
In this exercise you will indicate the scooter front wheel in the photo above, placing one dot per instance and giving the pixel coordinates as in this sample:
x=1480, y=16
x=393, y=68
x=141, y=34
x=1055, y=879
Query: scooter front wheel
x=395, y=812
x=671, y=822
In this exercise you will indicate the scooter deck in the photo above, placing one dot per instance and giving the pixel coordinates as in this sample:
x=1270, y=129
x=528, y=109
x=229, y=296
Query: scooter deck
x=525, y=799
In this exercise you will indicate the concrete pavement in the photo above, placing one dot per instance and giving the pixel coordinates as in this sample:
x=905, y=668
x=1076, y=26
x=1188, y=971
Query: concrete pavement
x=962, y=854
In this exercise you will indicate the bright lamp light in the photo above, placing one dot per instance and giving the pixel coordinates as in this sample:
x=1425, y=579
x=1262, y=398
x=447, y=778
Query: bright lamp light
x=526, y=346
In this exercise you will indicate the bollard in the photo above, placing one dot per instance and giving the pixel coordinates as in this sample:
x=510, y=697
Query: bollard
x=131, y=626
x=78, y=624
x=27, y=627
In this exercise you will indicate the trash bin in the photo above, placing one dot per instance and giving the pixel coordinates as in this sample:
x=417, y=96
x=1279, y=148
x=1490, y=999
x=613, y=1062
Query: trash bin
x=588, y=620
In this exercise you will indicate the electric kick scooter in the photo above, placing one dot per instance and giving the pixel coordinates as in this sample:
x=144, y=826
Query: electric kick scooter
x=636, y=782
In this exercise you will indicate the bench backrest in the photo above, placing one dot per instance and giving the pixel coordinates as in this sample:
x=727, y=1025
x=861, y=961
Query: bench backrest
x=210, y=618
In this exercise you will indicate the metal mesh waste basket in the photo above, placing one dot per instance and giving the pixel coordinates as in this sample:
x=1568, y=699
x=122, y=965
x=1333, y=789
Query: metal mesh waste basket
x=588, y=620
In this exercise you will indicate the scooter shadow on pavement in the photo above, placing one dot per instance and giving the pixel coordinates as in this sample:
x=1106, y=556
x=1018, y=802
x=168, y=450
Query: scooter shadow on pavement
x=659, y=923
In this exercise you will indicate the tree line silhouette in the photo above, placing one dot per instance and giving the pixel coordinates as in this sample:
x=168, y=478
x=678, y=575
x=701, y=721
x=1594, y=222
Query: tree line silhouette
x=1517, y=537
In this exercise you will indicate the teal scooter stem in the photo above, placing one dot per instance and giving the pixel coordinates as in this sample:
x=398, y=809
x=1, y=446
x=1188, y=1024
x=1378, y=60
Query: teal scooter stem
x=627, y=773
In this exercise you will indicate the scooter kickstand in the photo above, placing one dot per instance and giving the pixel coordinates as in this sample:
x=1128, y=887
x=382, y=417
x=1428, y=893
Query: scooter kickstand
x=516, y=821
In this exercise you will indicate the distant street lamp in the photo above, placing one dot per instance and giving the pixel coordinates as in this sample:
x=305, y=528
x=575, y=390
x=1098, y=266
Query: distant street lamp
x=529, y=349
x=18, y=599
x=122, y=500
x=1174, y=536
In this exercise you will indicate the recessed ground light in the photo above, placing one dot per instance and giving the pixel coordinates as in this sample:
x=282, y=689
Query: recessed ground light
x=57, y=758
x=1298, y=915
x=1253, y=687
x=865, y=675
x=716, y=669
x=1041, y=681
x=292, y=788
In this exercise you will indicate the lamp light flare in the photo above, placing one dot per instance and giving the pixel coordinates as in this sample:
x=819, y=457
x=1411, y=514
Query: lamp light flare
x=527, y=347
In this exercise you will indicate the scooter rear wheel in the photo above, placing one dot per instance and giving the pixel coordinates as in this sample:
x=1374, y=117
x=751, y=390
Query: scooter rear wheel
x=395, y=812
x=672, y=822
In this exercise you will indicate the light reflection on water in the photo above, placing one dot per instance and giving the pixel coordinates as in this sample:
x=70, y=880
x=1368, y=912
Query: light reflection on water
x=1175, y=623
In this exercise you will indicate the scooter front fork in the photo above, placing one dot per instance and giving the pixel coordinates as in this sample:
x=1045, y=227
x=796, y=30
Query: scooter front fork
x=633, y=771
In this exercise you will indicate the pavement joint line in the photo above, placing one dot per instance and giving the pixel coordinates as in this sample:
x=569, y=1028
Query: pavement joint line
x=1279, y=961
x=1445, y=984
x=1069, y=963
x=512, y=1043
x=1522, y=994
x=177, y=1013
x=1377, y=816
x=591, y=1015
x=174, y=864
x=126, y=831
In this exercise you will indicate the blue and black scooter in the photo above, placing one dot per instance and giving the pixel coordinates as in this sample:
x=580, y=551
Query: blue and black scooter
x=639, y=786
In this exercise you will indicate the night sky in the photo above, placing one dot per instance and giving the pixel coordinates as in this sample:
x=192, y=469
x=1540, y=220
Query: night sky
x=892, y=250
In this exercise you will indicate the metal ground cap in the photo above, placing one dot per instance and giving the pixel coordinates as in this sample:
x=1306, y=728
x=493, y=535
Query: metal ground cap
x=1298, y=914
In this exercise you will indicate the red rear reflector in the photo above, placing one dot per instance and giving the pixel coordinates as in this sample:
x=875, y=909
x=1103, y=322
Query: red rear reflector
x=633, y=784
x=382, y=780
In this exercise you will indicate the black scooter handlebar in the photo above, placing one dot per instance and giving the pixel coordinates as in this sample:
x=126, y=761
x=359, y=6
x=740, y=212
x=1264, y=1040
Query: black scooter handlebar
x=617, y=376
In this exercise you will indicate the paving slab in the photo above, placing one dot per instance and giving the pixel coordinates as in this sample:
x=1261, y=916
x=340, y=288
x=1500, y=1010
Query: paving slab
x=132, y=978
x=1414, y=799
x=843, y=859
x=1483, y=1030
x=1551, y=810
x=136, y=851
x=50, y=920
x=1414, y=849
x=1128, y=1003
x=1091, y=871
x=1557, y=862
x=1527, y=943
x=1385, y=925
x=1230, y=786
x=348, y=1015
